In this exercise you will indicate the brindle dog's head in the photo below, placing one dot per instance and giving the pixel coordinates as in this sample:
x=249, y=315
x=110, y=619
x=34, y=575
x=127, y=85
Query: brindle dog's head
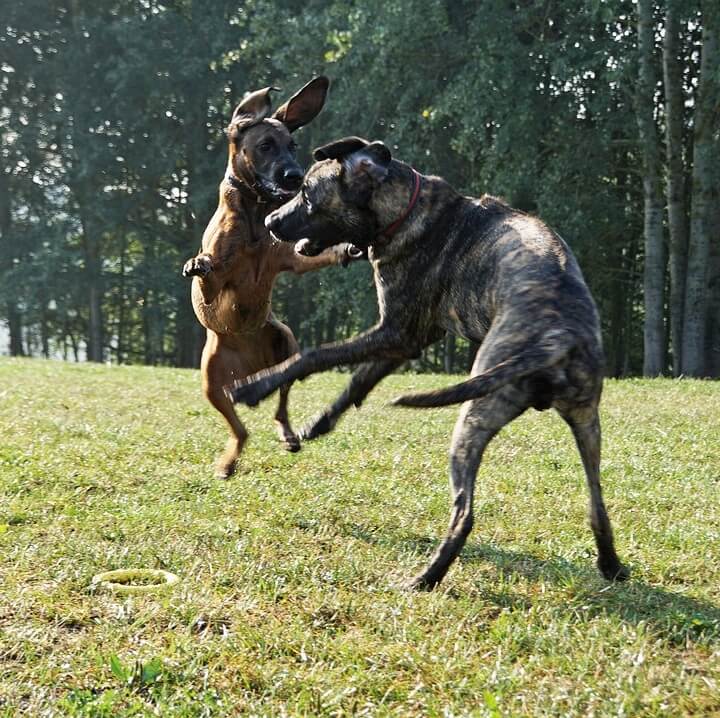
x=262, y=150
x=335, y=202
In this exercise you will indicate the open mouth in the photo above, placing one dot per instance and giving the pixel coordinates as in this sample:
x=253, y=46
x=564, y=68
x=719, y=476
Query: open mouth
x=275, y=191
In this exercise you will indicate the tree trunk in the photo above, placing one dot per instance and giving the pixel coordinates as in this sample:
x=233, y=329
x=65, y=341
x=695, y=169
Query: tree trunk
x=95, y=321
x=449, y=354
x=330, y=325
x=675, y=190
x=152, y=329
x=616, y=347
x=85, y=193
x=121, y=303
x=44, y=328
x=189, y=334
x=75, y=348
x=472, y=351
x=654, y=269
x=706, y=113
x=14, y=319
x=93, y=284
x=712, y=340
x=12, y=312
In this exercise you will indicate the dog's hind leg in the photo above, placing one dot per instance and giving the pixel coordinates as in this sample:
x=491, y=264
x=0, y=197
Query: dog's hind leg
x=479, y=421
x=227, y=462
x=363, y=381
x=287, y=436
x=217, y=370
x=585, y=425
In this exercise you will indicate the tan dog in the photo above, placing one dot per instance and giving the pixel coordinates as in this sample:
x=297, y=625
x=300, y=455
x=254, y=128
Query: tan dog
x=237, y=265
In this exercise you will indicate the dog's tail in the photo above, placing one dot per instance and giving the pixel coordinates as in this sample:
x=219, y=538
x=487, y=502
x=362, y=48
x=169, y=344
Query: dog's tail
x=542, y=353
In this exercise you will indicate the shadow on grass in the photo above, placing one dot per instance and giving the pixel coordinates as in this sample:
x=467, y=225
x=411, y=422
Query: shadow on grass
x=673, y=616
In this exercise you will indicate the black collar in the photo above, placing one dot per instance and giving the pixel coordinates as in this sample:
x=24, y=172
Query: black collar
x=244, y=188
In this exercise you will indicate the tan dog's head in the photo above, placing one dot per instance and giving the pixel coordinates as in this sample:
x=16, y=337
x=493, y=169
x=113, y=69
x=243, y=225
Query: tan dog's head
x=262, y=150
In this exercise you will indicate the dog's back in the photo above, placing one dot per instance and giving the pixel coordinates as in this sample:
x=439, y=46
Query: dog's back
x=502, y=278
x=493, y=259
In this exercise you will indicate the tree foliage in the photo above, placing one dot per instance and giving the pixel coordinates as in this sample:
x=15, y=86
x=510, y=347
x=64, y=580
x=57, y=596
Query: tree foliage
x=112, y=120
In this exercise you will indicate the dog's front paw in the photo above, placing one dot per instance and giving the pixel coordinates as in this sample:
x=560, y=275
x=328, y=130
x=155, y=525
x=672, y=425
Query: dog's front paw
x=240, y=393
x=422, y=582
x=613, y=570
x=251, y=391
x=347, y=253
x=317, y=427
x=199, y=266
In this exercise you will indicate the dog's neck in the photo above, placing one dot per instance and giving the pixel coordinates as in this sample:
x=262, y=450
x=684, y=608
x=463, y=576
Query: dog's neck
x=406, y=203
x=397, y=224
x=395, y=203
x=244, y=200
x=245, y=188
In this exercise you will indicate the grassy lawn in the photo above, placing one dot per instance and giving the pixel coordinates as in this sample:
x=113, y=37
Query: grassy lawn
x=288, y=602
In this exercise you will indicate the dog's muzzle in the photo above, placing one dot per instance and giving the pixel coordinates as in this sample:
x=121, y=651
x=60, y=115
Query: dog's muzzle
x=274, y=191
x=307, y=248
x=271, y=223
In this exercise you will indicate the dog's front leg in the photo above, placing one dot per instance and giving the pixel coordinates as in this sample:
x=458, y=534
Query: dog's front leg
x=363, y=380
x=210, y=282
x=341, y=254
x=380, y=342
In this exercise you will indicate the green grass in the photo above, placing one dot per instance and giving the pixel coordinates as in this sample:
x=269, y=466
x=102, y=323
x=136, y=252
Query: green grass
x=289, y=600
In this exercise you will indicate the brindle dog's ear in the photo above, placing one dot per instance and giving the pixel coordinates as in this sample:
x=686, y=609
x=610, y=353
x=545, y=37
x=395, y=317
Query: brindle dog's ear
x=339, y=148
x=252, y=110
x=372, y=160
x=304, y=105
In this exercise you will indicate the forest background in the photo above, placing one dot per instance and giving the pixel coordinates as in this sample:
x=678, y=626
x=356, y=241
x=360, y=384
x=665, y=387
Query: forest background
x=600, y=116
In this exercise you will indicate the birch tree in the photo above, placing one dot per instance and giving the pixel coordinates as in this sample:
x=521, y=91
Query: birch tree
x=707, y=112
x=654, y=267
x=675, y=188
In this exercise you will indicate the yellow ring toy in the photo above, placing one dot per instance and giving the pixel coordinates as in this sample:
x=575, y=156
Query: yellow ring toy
x=120, y=580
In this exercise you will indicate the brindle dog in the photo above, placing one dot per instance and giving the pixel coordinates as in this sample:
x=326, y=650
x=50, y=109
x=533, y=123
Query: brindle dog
x=475, y=267
x=239, y=261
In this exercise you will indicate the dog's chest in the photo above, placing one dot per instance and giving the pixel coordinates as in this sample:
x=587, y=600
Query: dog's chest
x=393, y=297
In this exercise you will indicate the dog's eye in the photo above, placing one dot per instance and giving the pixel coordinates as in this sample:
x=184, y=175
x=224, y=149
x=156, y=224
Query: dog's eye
x=265, y=146
x=293, y=147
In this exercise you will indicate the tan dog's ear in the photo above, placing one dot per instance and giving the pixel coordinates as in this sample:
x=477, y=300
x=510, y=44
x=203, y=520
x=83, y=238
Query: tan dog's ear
x=304, y=105
x=254, y=108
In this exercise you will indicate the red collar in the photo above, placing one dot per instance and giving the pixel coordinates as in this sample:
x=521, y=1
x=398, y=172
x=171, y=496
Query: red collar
x=392, y=229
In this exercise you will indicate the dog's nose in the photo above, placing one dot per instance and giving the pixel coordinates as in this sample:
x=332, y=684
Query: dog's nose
x=292, y=177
